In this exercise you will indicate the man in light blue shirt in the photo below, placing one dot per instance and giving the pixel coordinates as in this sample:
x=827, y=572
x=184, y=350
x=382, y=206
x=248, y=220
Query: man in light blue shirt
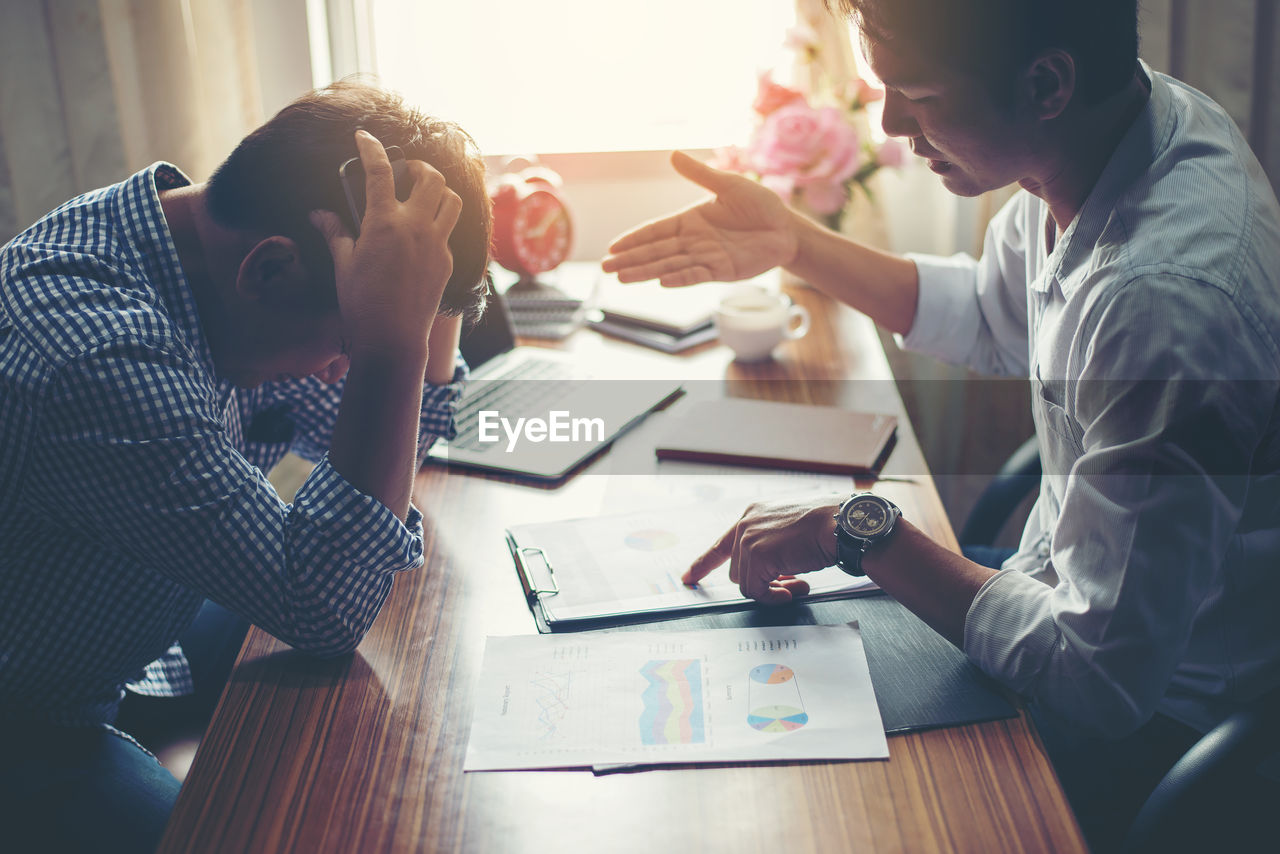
x=162, y=344
x=1136, y=281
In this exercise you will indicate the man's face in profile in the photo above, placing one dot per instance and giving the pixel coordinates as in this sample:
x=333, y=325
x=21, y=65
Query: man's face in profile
x=277, y=344
x=950, y=119
x=321, y=354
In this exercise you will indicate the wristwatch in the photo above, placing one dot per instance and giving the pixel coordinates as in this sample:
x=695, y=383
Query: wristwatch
x=863, y=520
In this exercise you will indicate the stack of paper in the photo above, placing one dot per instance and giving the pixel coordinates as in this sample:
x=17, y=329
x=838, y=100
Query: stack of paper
x=667, y=319
x=639, y=698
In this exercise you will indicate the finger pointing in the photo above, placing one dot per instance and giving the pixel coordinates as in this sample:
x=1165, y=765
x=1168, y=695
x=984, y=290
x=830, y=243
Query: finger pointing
x=711, y=558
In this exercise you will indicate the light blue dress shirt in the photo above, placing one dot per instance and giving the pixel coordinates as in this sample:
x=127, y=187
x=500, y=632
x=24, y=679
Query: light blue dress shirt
x=1148, y=575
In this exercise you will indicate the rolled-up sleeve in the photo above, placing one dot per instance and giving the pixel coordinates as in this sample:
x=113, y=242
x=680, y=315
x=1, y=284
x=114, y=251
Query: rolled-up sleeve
x=329, y=521
x=313, y=408
x=440, y=409
x=974, y=312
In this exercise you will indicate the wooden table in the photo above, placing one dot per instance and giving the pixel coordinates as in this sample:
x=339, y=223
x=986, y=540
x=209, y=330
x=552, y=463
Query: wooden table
x=365, y=753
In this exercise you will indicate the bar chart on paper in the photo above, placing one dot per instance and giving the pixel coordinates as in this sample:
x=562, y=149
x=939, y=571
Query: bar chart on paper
x=720, y=695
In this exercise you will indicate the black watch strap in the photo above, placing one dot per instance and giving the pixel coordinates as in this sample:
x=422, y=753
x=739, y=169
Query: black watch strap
x=849, y=553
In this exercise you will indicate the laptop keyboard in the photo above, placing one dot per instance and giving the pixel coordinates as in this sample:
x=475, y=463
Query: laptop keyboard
x=531, y=386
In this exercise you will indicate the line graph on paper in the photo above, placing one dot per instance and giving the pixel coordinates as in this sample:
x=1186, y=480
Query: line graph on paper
x=550, y=693
x=566, y=707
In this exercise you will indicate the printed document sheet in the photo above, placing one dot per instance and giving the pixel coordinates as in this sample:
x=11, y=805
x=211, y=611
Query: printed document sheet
x=651, y=697
x=633, y=563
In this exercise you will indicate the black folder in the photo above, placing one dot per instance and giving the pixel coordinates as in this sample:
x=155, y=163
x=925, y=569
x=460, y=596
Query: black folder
x=921, y=680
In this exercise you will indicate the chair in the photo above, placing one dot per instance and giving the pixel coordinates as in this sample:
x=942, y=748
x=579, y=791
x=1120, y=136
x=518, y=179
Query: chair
x=1016, y=479
x=1213, y=798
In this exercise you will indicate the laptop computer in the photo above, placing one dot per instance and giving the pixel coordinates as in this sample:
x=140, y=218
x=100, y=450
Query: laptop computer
x=537, y=413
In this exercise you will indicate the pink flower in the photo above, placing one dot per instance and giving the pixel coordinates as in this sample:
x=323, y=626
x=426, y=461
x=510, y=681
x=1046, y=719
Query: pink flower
x=865, y=92
x=770, y=96
x=732, y=158
x=824, y=198
x=893, y=153
x=803, y=39
x=783, y=185
x=806, y=145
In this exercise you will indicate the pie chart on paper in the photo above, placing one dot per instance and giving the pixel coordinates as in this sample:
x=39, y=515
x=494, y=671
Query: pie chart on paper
x=777, y=718
x=651, y=540
x=773, y=697
x=772, y=674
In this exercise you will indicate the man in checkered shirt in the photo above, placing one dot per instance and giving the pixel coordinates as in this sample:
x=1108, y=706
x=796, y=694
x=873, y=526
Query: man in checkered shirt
x=162, y=344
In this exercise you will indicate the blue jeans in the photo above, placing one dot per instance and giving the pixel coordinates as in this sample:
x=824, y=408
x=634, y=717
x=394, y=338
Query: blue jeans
x=989, y=556
x=90, y=789
x=83, y=789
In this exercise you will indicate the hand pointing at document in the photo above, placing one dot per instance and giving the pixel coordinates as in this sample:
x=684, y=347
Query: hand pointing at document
x=770, y=545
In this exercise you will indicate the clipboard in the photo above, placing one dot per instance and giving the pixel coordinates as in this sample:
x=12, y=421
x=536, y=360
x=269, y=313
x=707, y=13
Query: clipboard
x=571, y=586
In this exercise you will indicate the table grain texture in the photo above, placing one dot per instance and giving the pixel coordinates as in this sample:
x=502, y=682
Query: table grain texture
x=364, y=753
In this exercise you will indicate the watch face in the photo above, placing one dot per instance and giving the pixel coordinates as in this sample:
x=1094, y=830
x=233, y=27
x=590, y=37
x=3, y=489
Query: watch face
x=865, y=516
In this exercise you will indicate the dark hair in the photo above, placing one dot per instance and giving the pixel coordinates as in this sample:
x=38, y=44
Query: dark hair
x=993, y=39
x=288, y=167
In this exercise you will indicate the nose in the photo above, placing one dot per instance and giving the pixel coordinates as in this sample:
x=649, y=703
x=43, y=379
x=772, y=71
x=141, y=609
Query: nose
x=896, y=120
x=334, y=371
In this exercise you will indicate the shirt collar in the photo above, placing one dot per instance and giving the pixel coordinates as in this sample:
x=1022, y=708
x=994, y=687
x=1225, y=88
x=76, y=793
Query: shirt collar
x=149, y=231
x=1139, y=148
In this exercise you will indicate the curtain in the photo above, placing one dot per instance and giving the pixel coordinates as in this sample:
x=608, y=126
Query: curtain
x=93, y=90
x=834, y=60
x=1228, y=50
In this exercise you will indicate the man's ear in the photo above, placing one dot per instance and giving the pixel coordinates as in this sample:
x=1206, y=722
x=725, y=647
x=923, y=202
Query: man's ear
x=272, y=273
x=1049, y=83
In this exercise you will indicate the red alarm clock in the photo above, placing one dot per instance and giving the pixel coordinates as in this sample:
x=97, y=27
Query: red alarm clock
x=532, y=230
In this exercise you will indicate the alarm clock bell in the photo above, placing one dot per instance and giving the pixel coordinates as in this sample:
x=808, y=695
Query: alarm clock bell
x=532, y=236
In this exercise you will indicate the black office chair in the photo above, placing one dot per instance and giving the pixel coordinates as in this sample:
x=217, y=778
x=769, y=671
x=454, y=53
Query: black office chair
x=1213, y=798
x=1015, y=480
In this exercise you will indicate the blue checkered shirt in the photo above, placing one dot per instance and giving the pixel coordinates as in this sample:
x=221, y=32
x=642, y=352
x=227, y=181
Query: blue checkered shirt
x=131, y=476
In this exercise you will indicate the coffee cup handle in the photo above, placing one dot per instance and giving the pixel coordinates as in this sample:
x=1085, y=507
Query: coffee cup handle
x=797, y=311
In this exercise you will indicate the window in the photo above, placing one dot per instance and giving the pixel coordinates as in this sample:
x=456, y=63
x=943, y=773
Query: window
x=580, y=75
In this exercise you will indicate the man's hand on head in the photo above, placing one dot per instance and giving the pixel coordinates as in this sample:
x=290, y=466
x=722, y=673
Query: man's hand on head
x=390, y=280
x=771, y=544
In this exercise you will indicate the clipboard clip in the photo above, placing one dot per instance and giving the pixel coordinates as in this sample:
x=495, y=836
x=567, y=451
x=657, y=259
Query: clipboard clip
x=531, y=588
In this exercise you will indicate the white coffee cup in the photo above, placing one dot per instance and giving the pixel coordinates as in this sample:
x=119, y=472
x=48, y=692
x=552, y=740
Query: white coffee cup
x=752, y=321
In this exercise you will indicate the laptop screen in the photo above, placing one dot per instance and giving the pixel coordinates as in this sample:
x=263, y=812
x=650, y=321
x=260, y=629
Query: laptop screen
x=493, y=335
